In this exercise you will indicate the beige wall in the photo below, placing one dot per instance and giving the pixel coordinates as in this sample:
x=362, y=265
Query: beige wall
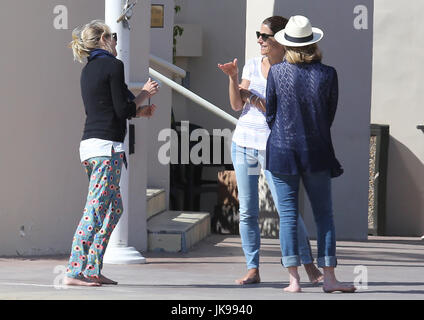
x=397, y=101
x=222, y=23
x=223, y=39
x=44, y=186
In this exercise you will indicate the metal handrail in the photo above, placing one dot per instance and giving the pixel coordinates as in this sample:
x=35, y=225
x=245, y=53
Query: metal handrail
x=192, y=96
x=168, y=66
x=186, y=93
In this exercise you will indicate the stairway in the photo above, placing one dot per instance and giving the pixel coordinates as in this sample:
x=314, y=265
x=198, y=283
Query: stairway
x=173, y=231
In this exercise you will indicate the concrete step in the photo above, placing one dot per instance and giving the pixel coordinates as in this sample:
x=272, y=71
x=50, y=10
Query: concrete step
x=156, y=201
x=177, y=231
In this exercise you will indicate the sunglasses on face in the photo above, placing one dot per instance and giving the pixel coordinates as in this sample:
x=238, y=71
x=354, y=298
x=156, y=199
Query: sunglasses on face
x=113, y=35
x=264, y=36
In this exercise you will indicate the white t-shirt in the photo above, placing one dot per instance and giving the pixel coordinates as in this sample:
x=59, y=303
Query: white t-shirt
x=252, y=130
x=94, y=147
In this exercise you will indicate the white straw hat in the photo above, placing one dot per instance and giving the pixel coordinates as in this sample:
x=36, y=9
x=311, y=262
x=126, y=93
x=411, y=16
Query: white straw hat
x=298, y=33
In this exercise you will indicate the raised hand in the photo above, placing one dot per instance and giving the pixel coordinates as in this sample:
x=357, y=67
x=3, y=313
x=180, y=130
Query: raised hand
x=230, y=68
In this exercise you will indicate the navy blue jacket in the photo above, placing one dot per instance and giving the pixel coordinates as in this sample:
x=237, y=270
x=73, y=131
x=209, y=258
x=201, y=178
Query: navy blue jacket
x=301, y=102
x=107, y=100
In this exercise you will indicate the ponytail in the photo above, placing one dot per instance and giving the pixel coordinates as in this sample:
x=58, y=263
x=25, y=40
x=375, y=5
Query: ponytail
x=86, y=38
x=77, y=45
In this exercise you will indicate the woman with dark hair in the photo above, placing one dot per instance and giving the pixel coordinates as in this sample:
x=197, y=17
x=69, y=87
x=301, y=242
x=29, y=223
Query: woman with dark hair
x=249, y=144
x=108, y=104
x=301, y=104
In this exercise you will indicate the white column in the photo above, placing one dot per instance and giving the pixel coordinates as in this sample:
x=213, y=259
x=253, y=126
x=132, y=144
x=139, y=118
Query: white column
x=118, y=251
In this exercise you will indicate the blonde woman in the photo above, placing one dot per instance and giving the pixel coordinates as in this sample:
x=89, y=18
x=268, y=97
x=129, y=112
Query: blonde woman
x=302, y=96
x=108, y=105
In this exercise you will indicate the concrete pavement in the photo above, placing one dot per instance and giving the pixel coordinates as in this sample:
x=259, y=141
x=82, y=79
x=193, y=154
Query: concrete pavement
x=385, y=267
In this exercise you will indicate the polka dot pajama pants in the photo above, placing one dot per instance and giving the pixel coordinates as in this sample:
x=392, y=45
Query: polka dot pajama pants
x=100, y=216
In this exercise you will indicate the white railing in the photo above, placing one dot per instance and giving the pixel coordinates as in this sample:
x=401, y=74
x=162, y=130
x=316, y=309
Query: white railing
x=192, y=96
x=180, y=89
x=169, y=66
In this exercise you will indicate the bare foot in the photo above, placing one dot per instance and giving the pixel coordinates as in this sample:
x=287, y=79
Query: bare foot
x=293, y=288
x=102, y=280
x=251, y=277
x=294, y=281
x=338, y=286
x=315, y=276
x=80, y=282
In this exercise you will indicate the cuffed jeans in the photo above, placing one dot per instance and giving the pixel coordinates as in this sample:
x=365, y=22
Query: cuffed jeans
x=318, y=189
x=247, y=163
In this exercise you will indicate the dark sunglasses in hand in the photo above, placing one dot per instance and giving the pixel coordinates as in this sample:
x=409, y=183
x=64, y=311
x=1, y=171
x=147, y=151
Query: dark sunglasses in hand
x=264, y=36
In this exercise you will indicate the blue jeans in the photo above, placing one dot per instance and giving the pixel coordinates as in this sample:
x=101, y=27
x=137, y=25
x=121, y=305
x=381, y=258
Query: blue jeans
x=247, y=163
x=318, y=189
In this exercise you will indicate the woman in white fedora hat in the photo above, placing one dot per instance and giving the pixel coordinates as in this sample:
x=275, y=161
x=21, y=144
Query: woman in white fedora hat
x=249, y=143
x=301, y=103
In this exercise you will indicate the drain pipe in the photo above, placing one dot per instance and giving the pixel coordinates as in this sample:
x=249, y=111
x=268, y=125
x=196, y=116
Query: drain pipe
x=118, y=251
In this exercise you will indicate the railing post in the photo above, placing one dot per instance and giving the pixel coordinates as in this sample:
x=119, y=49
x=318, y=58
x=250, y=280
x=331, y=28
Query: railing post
x=378, y=182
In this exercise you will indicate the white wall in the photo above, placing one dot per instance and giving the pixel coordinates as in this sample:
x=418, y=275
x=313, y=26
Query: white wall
x=223, y=35
x=223, y=25
x=161, y=46
x=139, y=62
x=397, y=101
x=257, y=11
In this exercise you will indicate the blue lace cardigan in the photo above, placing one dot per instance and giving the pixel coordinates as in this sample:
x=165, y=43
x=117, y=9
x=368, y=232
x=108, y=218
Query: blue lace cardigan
x=301, y=102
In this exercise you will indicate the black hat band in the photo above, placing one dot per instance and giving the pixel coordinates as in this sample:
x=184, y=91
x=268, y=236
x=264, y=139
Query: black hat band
x=299, y=40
